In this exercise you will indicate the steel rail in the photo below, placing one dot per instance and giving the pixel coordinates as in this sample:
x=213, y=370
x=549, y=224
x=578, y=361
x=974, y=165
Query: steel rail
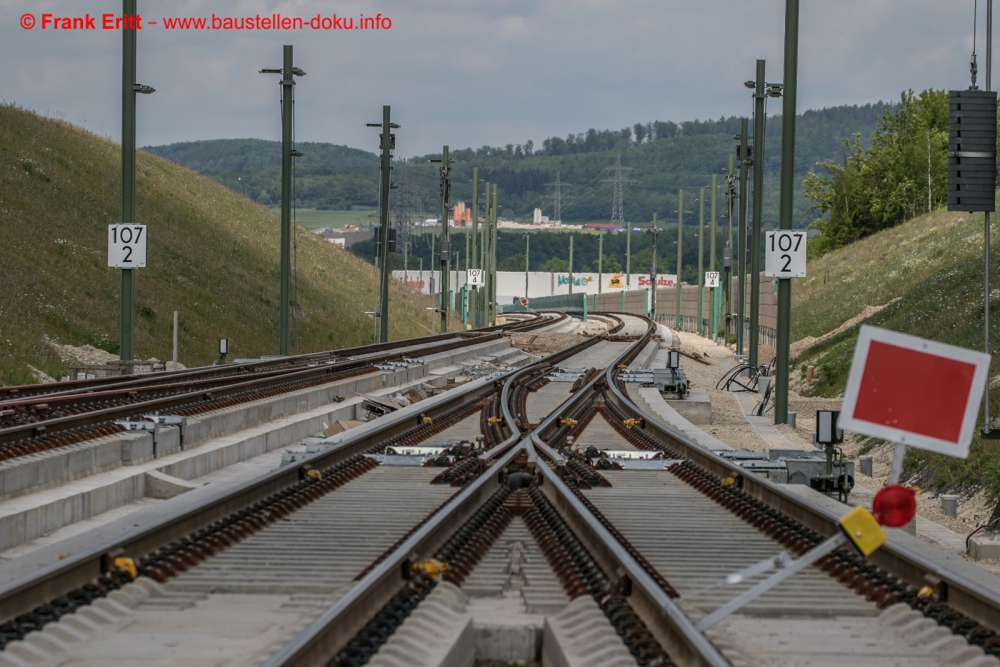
x=20, y=432
x=329, y=633
x=318, y=643
x=958, y=592
x=672, y=628
x=254, y=366
x=26, y=593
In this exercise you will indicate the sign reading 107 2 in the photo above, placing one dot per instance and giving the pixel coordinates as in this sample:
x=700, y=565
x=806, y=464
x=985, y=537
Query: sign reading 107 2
x=127, y=246
x=785, y=254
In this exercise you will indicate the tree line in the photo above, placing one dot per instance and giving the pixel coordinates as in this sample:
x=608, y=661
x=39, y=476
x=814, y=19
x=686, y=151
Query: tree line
x=899, y=173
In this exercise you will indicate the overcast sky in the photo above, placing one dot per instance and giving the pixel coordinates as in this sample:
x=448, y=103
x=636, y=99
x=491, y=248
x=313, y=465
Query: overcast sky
x=468, y=73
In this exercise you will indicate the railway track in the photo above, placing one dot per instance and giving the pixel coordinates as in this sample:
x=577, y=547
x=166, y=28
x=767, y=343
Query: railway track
x=523, y=518
x=37, y=418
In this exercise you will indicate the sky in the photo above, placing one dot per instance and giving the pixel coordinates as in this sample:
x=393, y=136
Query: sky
x=469, y=73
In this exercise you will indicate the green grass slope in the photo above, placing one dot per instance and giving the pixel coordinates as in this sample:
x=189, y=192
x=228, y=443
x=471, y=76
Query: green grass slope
x=934, y=265
x=212, y=255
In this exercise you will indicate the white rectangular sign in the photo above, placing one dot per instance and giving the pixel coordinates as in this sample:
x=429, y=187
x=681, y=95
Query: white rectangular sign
x=476, y=277
x=913, y=391
x=127, y=246
x=785, y=254
x=711, y=279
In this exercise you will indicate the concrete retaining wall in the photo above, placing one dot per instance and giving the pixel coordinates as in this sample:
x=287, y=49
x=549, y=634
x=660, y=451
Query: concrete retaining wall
x=226, y=436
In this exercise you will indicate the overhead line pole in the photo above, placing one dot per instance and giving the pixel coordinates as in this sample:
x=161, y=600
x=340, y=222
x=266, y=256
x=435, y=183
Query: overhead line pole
x=987, y=427
x=628, y=255
x=493, y=257
x=127, y=319
x=485, y=257
x=444, y=243
x=680, y=258
x=652, y=273
x=600, y=261
x=787, y=199
x=701, y=262
x=728, y=270
x=571, y=262
x=474, y=256
x=287, y=82
x=288, y=73
x=758, y=211
x=387, y=142
x=527, y=264
x=711, y=258
x=741, y=245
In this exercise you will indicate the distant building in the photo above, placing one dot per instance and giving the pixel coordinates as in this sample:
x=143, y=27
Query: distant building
x=461, y=215
x=538, y=218
x=603, y=226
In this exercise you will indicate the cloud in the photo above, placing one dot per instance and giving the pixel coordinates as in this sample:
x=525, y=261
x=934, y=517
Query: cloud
x=469, y=74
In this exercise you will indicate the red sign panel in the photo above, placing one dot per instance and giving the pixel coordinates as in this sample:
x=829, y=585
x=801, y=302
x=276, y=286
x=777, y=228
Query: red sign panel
x=524, y=302
x=914, y=391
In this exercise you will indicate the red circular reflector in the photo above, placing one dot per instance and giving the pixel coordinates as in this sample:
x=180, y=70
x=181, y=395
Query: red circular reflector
x=894, y=506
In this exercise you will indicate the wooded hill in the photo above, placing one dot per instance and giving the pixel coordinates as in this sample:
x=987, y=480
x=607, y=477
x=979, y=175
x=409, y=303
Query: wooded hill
x=663, y=157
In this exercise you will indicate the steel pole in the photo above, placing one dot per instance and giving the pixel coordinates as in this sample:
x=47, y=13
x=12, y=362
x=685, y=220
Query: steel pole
x=680, y=259
x=758, y=211
x=711, y=258
x=701, y=263
x=474, y=254
x=571, y=263
x=383, y=307
x=730, y=196
x=527, y=264
x=652, y=273
x=287, y=81
x=600, y=261
x=987, y=427
x=484, y=298
x=628, y=255
x=741, y=245
x=787, y=199
x=126, y=334
x=444, y=245
x=493, y=257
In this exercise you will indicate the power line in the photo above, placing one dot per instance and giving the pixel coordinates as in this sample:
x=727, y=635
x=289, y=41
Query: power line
x=617, y=206
x=558, y=197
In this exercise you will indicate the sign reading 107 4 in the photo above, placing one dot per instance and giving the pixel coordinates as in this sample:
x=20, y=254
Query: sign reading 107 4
x=127, y=246
x=785, y=254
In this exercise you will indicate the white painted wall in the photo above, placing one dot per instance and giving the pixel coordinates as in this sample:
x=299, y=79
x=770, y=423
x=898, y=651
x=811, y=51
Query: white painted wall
x=510, y=284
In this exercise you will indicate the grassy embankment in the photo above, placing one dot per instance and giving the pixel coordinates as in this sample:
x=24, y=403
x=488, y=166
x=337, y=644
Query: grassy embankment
x=934, y=264
x=213, y=256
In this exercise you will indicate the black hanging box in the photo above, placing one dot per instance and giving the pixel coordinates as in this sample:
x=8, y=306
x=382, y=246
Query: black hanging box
x=972, y=147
